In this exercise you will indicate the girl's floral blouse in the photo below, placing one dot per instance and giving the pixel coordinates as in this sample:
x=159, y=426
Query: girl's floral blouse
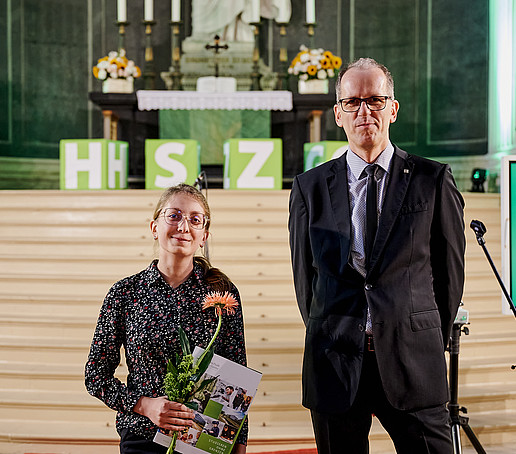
x=142, y=313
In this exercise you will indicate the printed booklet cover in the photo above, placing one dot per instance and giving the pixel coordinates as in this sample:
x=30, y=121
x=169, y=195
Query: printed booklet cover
x=222, y=408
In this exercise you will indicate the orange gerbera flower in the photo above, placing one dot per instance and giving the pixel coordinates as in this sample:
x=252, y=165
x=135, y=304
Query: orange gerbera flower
x=220, y=302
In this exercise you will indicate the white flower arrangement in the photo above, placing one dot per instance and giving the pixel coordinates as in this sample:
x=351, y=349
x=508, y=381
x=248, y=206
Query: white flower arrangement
x=314, y=64
x=115, y=66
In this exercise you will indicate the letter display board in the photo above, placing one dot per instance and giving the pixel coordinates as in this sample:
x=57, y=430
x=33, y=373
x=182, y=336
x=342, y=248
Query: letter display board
x=317, y=153
x=93, y=164
x=253, y=164
x=170, y=162
x=508, y=228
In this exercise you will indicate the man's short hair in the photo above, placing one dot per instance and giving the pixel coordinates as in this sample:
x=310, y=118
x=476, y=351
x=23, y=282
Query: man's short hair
x=366, y=63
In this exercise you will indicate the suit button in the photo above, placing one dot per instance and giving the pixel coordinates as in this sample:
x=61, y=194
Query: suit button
x=368, y=287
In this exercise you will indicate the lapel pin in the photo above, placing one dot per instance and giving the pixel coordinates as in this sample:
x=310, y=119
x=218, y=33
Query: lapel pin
x=406, y=170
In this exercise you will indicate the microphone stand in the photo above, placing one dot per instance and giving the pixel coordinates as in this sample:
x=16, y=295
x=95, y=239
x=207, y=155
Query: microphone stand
x=459, y=421
x=201, y=181
x=479, y=228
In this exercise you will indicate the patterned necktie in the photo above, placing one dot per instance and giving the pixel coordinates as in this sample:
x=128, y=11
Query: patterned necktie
x=371, y=221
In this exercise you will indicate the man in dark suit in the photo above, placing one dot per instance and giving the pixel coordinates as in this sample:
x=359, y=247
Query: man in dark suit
x=378, y=279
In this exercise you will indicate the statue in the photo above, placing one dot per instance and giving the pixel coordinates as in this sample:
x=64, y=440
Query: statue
x=230, y=18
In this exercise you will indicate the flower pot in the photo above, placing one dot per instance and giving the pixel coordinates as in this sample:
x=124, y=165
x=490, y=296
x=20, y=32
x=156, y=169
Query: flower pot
x=312, y=86
x=117, y=86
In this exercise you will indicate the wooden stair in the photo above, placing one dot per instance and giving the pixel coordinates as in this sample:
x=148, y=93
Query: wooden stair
x=61, y=251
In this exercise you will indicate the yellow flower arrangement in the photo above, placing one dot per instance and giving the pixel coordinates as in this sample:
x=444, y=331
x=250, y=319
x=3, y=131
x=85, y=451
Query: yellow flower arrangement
x=314, y=64
x=115, y=66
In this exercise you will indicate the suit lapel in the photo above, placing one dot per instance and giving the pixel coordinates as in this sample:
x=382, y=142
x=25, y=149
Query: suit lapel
x=401, y=173
x=339, y=199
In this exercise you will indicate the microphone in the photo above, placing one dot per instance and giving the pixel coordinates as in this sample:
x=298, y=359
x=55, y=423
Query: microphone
x=200, y=180
x=480, y=229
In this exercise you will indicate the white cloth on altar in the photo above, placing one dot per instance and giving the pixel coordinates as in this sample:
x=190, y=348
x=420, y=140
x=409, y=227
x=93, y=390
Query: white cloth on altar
x=230, y=18
x=193, y=100
x=212, y=84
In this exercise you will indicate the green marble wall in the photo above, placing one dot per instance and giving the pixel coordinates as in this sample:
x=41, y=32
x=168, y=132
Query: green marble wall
x=437, y=51
x=43, y=90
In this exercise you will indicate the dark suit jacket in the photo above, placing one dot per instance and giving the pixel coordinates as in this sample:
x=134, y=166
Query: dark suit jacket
x=413, y=288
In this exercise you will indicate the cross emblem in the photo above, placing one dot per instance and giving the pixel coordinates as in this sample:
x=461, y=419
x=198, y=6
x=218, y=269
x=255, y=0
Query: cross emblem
x=216, y=48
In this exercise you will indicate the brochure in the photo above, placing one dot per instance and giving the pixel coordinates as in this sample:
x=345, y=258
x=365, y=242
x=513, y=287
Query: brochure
x=223, y=408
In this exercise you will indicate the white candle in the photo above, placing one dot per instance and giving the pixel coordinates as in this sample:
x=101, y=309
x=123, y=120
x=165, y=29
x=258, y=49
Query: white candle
x=122, y=11
x=148, y=11
x=176, y=10
x=255, y=11
x=284, y=12
x=310, y=11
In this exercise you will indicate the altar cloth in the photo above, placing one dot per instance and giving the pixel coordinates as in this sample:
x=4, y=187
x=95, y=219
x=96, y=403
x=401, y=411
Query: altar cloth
x=193, y=100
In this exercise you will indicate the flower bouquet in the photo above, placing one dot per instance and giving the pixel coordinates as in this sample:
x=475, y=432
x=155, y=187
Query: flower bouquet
x=314, y=67
x=117, y=72
x=184, y=374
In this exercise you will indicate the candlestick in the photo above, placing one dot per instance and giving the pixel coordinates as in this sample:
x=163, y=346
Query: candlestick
x=310, y=29
x=176, y=57
x=149, y=75
x=310, y=11
x=281, y=83
x=121, y=10
x=121, y=36
x=255, y=11
x=148, y=11
x=255, y=75
x=176, y=11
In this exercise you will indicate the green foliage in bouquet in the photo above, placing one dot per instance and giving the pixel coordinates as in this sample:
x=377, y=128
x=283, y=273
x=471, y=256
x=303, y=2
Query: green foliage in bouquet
x=183, y=376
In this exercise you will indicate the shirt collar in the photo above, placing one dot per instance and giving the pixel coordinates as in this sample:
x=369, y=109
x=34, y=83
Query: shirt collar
x=356, y=164
x=152, y=273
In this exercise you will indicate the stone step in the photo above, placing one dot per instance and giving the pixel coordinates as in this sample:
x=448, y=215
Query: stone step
x=476, y=344
x=21, y=403
x=43, y=376
x=259, y=331
x=246, y=232
x=279, y=358
x=282, y=434
x=256, y=268
x=137, y=199
x=486, y=369
x=97, y=286
x=493, y=427
x=482, y=397
x=69, y=311
x=115, y=248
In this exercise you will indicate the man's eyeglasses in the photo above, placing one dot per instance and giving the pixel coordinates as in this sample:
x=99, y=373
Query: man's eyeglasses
x=374, y=103
x=173, y=216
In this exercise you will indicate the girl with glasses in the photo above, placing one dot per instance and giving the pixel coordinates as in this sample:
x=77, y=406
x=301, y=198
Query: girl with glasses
x=142, y=313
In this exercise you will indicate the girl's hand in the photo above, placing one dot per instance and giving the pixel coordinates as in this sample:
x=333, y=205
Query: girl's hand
x=164, y=413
